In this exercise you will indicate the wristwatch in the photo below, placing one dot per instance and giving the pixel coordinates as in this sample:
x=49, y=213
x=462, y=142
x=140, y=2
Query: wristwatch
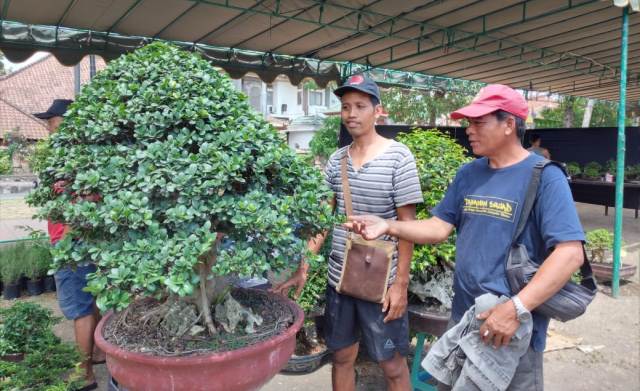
x=521, y=312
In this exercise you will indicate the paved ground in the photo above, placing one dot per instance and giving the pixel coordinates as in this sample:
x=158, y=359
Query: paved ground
x=610, y=326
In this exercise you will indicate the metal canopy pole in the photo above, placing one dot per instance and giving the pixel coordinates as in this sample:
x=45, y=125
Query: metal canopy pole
x=617, y=242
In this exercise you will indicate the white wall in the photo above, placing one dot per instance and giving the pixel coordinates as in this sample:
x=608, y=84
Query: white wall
x=286, y=93
x=300, y=140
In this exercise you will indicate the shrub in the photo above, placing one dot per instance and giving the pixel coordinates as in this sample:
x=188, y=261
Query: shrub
x=178, y=156
x=325, y=140
x=6, y=165
x=25, y=327
x=11, y=268
x=37, y=159
x=438, y=158
x=36, y=258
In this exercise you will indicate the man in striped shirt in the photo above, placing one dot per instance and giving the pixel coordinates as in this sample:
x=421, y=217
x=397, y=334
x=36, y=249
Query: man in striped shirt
x=384, y=181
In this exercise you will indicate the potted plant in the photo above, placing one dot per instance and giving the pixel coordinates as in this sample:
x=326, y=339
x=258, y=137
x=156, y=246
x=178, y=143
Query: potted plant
x=592, y=171
x=632, y=173
x=36, y=259
x=10, y=271
x=34, y=358
x=438, y=158
x=24, y=327
x=573, y=169
x=180, y=160
x=311, y=351
x=599, y=243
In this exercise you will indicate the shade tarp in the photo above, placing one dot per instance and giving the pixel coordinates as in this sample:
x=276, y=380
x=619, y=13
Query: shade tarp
x=560, y=46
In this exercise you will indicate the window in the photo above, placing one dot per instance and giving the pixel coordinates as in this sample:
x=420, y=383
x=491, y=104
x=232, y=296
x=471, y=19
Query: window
x=316, y=98
x=269, y=94
x=299, y=95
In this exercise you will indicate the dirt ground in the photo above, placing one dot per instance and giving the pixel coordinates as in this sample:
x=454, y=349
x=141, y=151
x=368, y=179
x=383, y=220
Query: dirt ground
x=606, y=340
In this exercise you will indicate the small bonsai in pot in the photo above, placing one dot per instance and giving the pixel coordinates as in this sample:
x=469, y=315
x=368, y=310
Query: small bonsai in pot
x=599, y=243
x=180, y=160
x=438, y=158
x=632, y=173
x=592, y=171
x=573, y=169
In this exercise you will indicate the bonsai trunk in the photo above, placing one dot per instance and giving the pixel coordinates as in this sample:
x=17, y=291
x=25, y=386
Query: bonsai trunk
x=207, y=287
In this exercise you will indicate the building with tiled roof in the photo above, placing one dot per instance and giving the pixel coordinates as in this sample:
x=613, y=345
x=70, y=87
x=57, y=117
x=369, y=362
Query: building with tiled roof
x=32, y=89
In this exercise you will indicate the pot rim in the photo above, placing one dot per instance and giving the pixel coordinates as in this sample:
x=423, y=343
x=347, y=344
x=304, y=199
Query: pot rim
x=114, y=350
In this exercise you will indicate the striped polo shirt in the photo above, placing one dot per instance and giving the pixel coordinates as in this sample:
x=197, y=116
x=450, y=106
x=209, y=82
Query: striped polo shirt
x=379, y=187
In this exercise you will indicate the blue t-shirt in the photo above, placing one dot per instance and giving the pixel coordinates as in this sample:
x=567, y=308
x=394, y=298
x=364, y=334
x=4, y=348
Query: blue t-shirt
x=484, y=205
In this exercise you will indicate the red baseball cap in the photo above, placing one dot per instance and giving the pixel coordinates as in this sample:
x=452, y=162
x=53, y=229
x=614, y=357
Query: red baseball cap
x=494, y=97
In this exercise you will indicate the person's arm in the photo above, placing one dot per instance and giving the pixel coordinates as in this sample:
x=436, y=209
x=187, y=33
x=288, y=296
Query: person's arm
x=396, y=299
x=502, y=322
x=429, y=231
x=299, y=277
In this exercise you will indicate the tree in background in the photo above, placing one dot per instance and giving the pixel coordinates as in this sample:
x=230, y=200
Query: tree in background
x=325, y=140
x=571, y=110
x=422, y=107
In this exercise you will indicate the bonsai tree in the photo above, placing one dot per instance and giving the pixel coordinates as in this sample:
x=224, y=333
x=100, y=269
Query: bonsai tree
x=592, y=170
x=179, y=160
x=573, y=169
x=438, y=158
x=598, y=242
x=632, y=173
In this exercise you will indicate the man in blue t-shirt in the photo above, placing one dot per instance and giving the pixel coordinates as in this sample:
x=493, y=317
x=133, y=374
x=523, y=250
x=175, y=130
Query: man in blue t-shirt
x=483, y=204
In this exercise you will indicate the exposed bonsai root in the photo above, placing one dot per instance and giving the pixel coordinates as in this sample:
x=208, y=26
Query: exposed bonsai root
x=180, y=330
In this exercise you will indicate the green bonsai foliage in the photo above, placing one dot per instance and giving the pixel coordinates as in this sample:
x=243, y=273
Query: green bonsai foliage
x=632, y=173
x=438, y=158
x=573, y=169
x=597, y=242
x=177, y=156
x=325, y=140
x=592, y=170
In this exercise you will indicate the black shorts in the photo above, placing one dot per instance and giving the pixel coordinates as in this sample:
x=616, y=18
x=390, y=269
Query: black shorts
x=348, y=320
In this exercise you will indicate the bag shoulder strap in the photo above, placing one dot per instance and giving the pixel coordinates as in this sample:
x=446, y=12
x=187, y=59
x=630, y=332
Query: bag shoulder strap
x=346, y=189
x=527, y=207
x=530, y=197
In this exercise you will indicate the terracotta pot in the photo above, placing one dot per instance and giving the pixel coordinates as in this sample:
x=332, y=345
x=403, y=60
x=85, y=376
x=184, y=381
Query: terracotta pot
x=604, y=271
x=426, y=321
x=248, y=368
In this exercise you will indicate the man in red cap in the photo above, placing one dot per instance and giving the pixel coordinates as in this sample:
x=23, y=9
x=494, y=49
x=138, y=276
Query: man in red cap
x=483, y=204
